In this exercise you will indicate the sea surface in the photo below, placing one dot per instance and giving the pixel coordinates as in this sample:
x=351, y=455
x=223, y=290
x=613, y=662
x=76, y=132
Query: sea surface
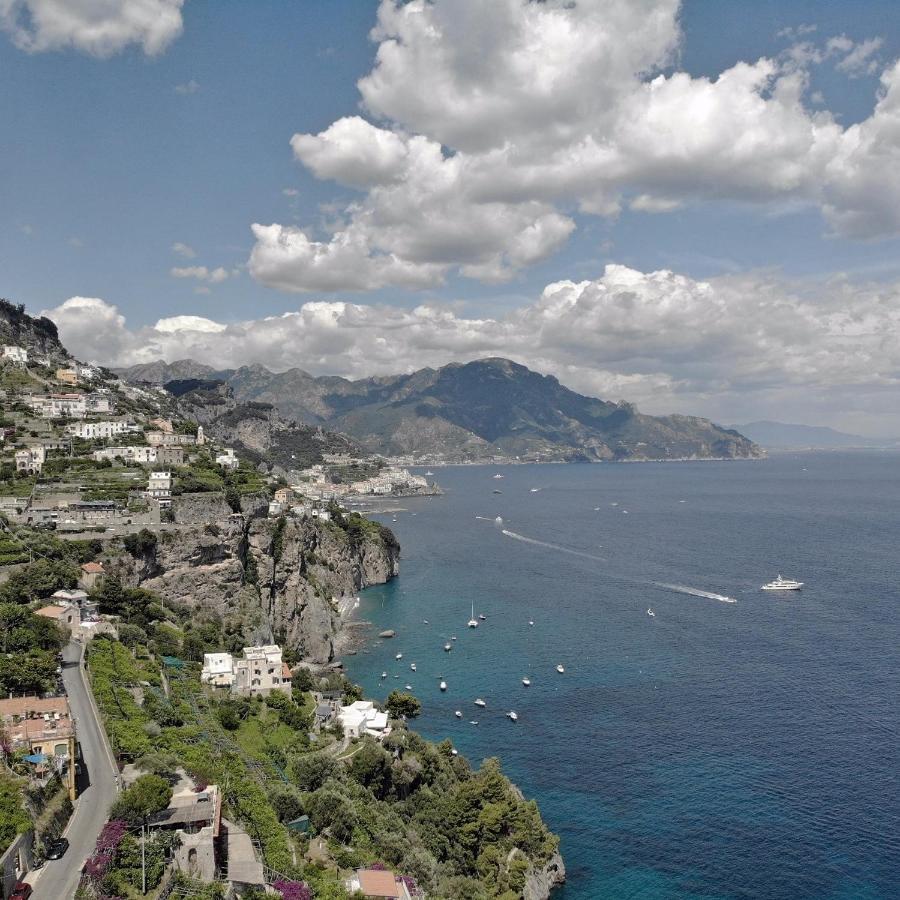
x=715, y=750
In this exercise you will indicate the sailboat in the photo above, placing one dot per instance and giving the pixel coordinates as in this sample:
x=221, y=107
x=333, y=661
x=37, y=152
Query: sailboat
x=473, y=622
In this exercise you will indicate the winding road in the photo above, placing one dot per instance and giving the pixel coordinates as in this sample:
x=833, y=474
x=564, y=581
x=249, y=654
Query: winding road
x=58, y=879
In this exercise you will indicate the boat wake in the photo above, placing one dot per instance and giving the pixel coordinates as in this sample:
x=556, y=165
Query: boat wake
x=677, y=588
x=693, y=592
x=549, y=546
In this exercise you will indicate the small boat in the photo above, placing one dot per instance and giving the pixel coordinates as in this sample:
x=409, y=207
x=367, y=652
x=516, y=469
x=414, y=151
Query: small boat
x=783, y=584
x=534, y=490
x=531, y=622
x=480, y=702
x=482, y=617
x=650, y=612
x=496, y=492
x=458, y=714
x=412, y=666
x=560, y=669
x=448, y=648
x=429, y=473
x=473, y=722
x=512, y=716
x=408, y=687
x=396, y=676
x=454, y=751
x=498, y=475
x=526, y=682
x=498, y=521
x=452, y=637
x=443, y=685
x=424, y=621
x=399, y=656
x=473, y=622
x=384, y=674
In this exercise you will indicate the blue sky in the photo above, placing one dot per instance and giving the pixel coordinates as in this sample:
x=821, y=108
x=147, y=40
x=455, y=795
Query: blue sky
x=112, y=156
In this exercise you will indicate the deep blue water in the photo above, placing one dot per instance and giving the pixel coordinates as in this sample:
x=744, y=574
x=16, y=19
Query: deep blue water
x=718, y=750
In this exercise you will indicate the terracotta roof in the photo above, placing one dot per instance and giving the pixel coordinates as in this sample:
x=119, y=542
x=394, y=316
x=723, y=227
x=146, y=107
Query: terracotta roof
x=286, y=671
x=375, y=883
x=92, y=568
x=51, y=612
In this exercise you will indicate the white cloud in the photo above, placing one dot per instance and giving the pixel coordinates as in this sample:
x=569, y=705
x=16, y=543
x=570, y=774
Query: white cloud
x=491, y=124
x=735, y=347
x=184, y=250
x=859, y=61
x=100, y=28
x=202, y=273
x=189, y=87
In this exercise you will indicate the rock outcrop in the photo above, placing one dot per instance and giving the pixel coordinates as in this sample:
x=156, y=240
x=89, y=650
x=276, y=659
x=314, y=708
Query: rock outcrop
x=540, y=882
x=268, y=579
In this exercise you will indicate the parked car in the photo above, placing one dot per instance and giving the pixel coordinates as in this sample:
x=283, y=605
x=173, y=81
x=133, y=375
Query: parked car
x=57, y=849
x=22, y=891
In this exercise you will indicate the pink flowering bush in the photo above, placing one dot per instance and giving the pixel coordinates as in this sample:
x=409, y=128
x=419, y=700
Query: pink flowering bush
x=293, y=890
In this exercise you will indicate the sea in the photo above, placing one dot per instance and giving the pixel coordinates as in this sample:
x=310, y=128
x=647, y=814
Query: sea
x=737, y=743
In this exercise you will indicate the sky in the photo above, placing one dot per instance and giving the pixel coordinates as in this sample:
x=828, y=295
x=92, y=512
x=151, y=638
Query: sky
x=693, y=206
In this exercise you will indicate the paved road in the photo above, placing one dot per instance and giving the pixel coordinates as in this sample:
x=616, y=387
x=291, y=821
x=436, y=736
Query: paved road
x=58, y=879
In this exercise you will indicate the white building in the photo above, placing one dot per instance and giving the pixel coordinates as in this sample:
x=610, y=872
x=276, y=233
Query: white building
x=227, y=459
x=275, y=509
x=15, y=354
x=101, y=430
x=159, y=486
x=31, y=460
x=361, y=718
x=218, y=669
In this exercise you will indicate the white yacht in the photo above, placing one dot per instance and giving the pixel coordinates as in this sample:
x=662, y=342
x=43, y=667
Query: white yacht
x=526, y=682
x=533, y=490
x=560, y=669
x=473, y=622
x=412, y=666
x=429, y=473
x=498, y=475
x=651, y=613
x=399, y=656
x=448, y=648
x=384, y=674
x=454, y=752
x=512, y=716
x=531, y=622
x=480, y=702
x=783, y=584
x=482, y=617
x=458, y=714
x=443, y=685
x=408, y=687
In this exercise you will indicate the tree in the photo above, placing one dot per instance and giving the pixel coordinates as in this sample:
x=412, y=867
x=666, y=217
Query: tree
x=302, y=680
x=148, y=795
x=286, y=802
x=371, y=767
x=400, y=704
x=311, y=771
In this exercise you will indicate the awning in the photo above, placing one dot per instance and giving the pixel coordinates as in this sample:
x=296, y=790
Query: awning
x=36, y=758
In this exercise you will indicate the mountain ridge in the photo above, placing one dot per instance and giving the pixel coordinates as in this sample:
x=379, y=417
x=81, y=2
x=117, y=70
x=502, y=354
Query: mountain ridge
x=464, y=412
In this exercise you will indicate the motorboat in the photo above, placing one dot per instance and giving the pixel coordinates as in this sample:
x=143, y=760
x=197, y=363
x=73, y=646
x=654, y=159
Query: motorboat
x=531, y=622
x=412, y=666
x=448, y=648
x=480, y=702
x=384, y=674
x=473, y=622
x=496, y=492
x=498, y=475
x=443, y=685
x=408, y=687
x=424, y=621
x=533, y=490
x=452, y=637
x=512, y=716
x=526, y=682
x=399, y=656
x=650, y=612
x=429, y=473
x=454, y=752
x=783, y=584
x=482, y=617
x=458, y=714
x=473, y=722
x=560, y=669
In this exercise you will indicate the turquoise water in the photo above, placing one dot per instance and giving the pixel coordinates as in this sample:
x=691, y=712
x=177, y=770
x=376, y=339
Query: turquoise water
x=716, y=750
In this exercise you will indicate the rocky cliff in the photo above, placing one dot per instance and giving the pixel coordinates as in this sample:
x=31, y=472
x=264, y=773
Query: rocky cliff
x=267, y=579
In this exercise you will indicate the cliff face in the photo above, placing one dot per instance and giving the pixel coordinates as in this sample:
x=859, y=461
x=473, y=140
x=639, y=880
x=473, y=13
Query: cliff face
x=268, y=579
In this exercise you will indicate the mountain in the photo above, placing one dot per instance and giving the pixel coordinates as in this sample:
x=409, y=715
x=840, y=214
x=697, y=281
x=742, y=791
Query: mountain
x=784, y=436
x=469, y=411
x=37, y=335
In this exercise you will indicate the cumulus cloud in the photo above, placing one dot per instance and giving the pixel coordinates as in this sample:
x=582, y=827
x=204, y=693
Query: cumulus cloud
x=489, y=127
x=202, y=273
x=184, y=250
x=100, y=28
x=744, y=346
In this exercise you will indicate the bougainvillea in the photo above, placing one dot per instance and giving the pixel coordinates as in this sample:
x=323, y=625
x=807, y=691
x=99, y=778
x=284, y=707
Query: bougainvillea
x=293, y=890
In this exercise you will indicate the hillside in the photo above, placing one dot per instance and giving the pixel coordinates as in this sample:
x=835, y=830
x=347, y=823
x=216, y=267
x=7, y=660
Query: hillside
x=477, y=410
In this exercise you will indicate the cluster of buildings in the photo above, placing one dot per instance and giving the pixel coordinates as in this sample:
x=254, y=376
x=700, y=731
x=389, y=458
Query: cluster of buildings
x=258, y=672
x=45, y=728
x=318, y=484
x=361, y=718
x=69, y=406
x=167, y=456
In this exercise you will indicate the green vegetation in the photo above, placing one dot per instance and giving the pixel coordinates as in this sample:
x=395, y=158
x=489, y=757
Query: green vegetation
x=136, y=804
x=13, y=818
x=28, y=648
x=403, y=705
